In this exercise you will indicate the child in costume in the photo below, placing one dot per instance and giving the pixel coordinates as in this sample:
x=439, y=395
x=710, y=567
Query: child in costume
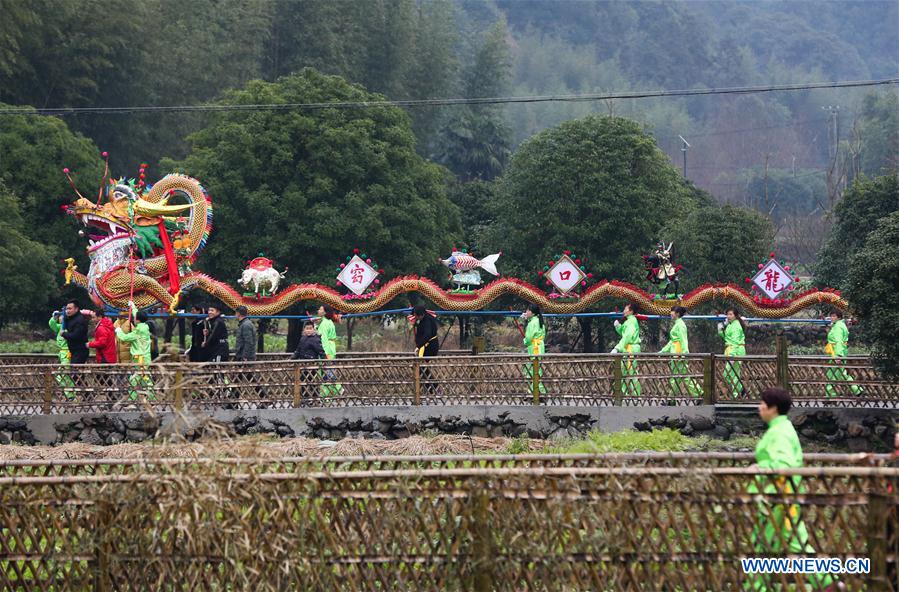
x=65, y=357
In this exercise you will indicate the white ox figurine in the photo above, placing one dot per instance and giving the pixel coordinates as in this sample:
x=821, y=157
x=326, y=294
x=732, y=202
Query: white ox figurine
x=261, y=276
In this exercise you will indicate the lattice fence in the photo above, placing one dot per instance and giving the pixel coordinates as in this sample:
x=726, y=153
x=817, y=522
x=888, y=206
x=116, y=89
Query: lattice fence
x=562, y=379
x=388, y=525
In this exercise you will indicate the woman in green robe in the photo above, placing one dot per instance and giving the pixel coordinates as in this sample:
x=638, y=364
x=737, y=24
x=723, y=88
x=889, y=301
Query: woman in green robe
x=732, y=330
x=779, y=528
x=837, y=347
x=629, y=331
x=534, y=335
x=328, y=332
x=679, y=344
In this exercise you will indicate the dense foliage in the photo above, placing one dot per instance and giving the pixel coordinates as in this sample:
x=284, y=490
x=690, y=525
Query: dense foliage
x=308, y=187
x=597, y=185
x=871, y=288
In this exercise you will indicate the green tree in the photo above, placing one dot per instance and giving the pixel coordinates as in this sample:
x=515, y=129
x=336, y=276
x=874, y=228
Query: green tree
x=857, y=213
x=306, y=187
x=33, y=151
x=597, y=185
x=878, y=134
x=871, y=290
x=27, y=281
x=476, y=138
x=720, y=244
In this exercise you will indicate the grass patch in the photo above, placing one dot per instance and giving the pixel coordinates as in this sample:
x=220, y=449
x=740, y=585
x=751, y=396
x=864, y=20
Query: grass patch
x=665, y=440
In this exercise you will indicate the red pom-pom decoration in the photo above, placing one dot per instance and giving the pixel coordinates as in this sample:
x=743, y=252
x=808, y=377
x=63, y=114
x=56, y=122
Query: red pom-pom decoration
x=747, y=280
x=590, y=275
x=568, y=252
x=66, y=170
x=355, y=251
x=377, y=281
x=342, y=265
x=761, y=266
x=787, y=267
x=577, y=261
x=104, y=154
x=337, y=283
x=540, y=273
x=583, y=283
x=380, y=271
x=772, y=254
x=368, y=261
x=551, y=263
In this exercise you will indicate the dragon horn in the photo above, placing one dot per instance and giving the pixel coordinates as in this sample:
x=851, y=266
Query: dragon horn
x=103, y=182
x=144, y=208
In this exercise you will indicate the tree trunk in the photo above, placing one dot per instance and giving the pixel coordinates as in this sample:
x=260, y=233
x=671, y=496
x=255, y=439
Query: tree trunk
x=294, y=331
x=587, y=330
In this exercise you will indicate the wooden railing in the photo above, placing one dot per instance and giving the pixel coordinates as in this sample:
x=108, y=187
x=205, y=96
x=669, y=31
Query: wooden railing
x=516, y=524
x=553, y=379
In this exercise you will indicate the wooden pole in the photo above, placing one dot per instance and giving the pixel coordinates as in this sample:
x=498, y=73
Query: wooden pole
x=709, y=396
x=416, y=381
x=535, y=379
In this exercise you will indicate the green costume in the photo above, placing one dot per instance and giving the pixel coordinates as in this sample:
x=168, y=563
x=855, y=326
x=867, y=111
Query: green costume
x=140, y=342
x=534, y=335
x=836, y=348
x=328, y=333
x=678, y=344
x=734, y=346
x=65, y=358
x=629, y=331
x=780, y=529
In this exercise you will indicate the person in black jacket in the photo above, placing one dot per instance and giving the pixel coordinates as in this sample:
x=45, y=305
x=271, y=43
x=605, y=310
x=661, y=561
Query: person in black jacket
x=75, y=333
x=215, y=341
x=309, y=348
x=197, y=324
x=427, y=345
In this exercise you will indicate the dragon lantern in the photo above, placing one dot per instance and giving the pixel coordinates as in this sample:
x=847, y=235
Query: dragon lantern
x=143, y=241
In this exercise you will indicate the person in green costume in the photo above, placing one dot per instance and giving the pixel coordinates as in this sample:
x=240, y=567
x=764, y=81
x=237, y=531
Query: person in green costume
x=779, y=528
x=732, y=330
x=629, y=331
x=328, y=332
x=679, y=344
x=534, y=335
x=140, y=343
x=65, y=356
x=836, y=348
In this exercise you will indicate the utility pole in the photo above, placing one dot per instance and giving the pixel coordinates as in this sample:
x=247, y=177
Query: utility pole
x=833, y=174
x=834, y=131
x=683, y=150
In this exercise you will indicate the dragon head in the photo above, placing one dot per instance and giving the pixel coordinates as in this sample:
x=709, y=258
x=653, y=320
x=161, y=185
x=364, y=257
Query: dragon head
x=133, y=227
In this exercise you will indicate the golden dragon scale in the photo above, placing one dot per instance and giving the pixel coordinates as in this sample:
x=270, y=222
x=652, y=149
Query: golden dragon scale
x=148, y=292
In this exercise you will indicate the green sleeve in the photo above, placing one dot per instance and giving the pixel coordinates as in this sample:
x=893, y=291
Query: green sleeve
x=126, y=337
x=55, y=326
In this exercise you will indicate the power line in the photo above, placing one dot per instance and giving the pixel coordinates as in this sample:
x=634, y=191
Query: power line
x=446, y=102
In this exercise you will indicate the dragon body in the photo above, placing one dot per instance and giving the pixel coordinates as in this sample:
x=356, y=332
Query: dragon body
x=146, y=255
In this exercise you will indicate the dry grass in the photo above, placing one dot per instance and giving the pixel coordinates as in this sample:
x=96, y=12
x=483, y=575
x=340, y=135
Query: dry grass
x=265, y=447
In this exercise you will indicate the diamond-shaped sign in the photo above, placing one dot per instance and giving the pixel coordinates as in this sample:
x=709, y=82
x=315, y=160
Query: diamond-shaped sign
x=772, y=279
x=565, y=275
x=357, y=275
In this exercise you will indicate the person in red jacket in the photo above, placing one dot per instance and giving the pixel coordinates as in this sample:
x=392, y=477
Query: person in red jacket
x=104, y=339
